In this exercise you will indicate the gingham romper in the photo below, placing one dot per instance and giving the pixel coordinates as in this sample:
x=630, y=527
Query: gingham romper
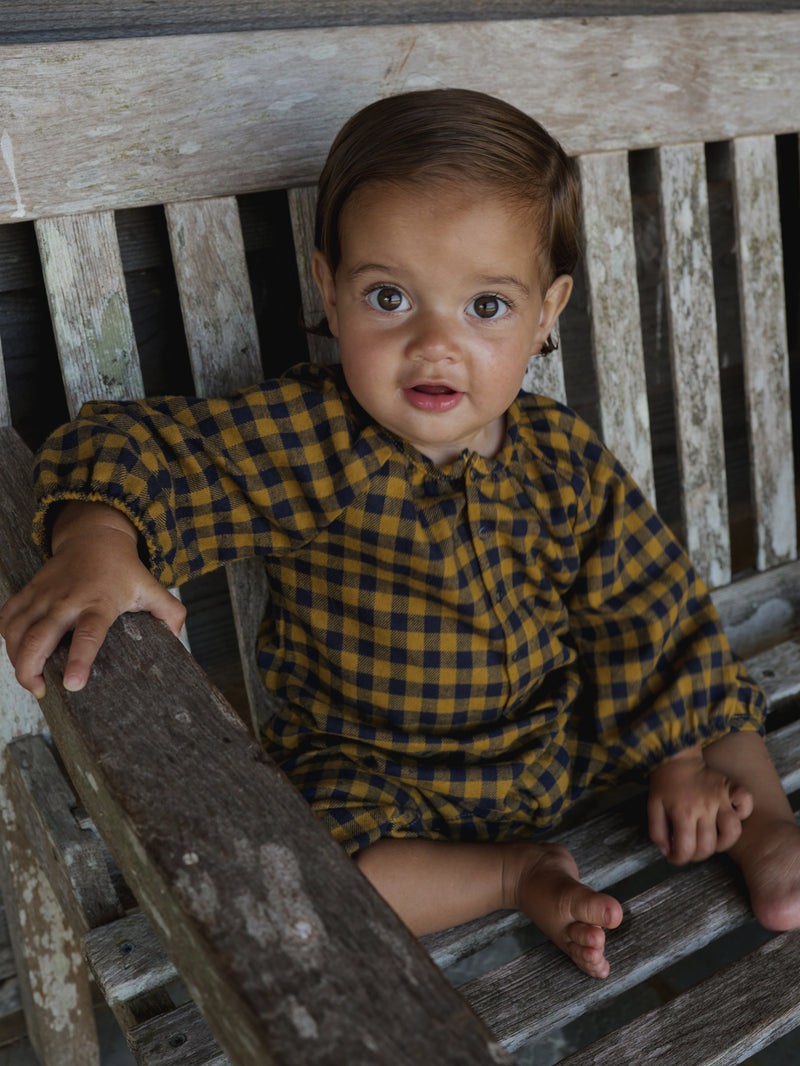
x=460, y=652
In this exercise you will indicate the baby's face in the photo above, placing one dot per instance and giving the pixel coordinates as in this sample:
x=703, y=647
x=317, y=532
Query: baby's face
x=438, y=305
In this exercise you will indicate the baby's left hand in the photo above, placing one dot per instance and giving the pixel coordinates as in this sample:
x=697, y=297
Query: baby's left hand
x=693, y=810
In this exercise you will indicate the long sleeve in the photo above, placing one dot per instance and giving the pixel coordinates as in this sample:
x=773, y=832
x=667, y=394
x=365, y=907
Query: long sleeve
x=207, y=481
x=661, y=673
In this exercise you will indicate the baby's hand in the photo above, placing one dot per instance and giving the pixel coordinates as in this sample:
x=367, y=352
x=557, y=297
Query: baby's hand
x=693, y=810
x=94, y=576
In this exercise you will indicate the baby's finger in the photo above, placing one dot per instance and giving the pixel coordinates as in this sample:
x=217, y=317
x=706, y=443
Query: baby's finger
x=705, y=839
x=729, y=829
x=89, y=634
x=684, y=840
x=30, y=648
x=659, y=827
x=166, y=607
x=741, y=801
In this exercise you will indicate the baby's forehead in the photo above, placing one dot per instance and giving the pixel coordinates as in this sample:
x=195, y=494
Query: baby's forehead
x=434, y=206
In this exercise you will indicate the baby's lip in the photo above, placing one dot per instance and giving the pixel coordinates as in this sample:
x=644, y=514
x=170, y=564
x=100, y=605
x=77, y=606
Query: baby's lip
x=434, y=388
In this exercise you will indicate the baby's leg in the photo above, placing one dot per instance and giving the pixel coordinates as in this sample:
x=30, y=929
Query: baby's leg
x=433, y=885
x=768, y=850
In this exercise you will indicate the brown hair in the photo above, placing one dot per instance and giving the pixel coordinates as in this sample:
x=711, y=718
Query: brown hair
x=446, y=135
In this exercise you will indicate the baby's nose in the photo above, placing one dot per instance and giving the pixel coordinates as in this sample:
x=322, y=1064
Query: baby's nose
x=434, y=339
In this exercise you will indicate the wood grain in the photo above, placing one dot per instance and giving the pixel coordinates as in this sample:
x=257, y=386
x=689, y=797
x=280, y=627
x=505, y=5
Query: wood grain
x=695, y=360
x=764, y=348
x=221, y=336
x=302, y=207
x=711, y=1024
x=617, y=351
x=89, y=307
x=268, y=104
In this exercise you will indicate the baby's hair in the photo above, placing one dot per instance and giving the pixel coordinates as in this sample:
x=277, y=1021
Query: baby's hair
x=448, y=135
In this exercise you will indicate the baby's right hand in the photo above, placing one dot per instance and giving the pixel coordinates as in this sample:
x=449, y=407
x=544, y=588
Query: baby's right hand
x=94, y=575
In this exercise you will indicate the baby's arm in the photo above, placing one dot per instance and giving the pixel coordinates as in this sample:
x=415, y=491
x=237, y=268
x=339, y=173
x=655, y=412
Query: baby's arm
x=94, y=575
x=693, y=809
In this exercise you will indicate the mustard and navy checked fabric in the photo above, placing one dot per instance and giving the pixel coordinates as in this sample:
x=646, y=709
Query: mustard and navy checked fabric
x=461, y=653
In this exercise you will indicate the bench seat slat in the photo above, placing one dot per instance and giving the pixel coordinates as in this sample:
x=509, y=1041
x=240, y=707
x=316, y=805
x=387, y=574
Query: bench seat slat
x=720, y=1022
x=617, y=351
x=674, y=918
x=695, y=362
x=179, y=1038
x=613, y=845
x=764, y=347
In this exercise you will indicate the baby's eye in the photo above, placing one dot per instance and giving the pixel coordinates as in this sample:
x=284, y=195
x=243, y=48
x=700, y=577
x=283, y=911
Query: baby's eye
x=387, y=298
x=488, y=306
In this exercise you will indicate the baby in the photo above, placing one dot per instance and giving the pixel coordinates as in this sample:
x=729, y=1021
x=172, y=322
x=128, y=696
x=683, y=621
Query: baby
x=475, y=615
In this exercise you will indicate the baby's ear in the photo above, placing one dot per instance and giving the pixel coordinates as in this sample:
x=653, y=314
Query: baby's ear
x=555, y=300
x=326, y=283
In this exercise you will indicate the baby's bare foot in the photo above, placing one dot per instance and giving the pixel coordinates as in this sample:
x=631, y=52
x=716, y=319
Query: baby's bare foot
x=573, y=915
x=768, y=854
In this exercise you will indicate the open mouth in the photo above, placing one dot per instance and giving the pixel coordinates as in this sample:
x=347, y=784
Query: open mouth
x=431, y=397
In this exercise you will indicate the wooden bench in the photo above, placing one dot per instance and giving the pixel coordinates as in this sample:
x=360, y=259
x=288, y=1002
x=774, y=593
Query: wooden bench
x=227, y=882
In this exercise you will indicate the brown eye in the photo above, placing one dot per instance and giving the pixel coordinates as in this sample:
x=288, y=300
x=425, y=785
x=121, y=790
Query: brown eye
x=488, y=306
x=387, y=299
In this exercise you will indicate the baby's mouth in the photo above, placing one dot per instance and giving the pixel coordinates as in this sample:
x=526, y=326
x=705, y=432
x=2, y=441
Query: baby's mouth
x=433, y=397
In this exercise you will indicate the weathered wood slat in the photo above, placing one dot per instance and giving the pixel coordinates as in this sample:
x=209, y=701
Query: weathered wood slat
x=5, y=406
x=761, y=610
x=180, y=1038
x=228, y=884
x=169, y=135
x=538, y=992
x=695, y=360
x=56, y=1001
x=89, y=307
x=72, y=857
x=90, y=19
x=127, y=959
x=614, y=313
x=764, y=348
x=214, y=288
x=53, y=981
x=224, y=352
x=720, y=1022
x=545, y=373
x=611, y=846
x=302, y=205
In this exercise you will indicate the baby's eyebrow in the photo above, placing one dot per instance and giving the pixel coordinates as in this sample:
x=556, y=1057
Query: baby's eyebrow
x=504, y=281
x=369, y=268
